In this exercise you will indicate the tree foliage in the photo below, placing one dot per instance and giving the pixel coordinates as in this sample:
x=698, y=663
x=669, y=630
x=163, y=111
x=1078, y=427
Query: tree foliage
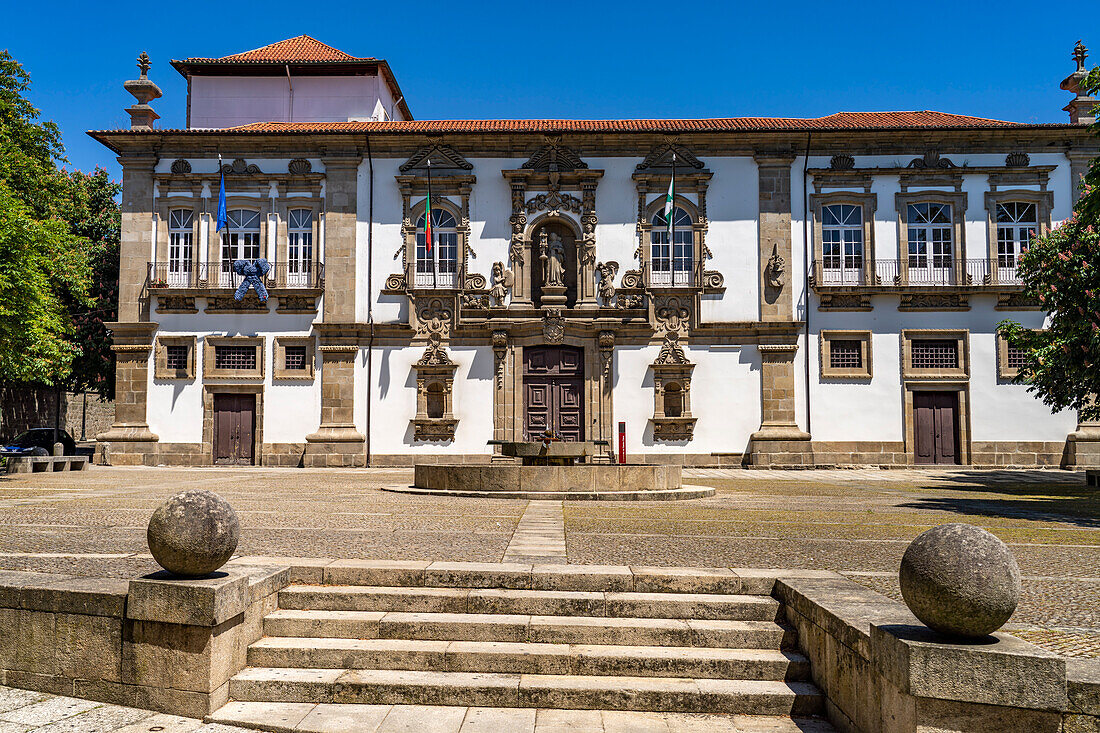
x=52, y=225
x=1062, y=271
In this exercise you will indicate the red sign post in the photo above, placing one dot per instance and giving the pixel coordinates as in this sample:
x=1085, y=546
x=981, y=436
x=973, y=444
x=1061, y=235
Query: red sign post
x=622, y=442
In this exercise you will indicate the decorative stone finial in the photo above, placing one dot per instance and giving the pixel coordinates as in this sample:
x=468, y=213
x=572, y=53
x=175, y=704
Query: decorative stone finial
x=141, y=114
x=1082, y=110
x=144, y=64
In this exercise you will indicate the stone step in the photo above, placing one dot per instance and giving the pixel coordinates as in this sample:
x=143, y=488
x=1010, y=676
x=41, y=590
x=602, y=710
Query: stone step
x=528, y=658
x=291, y=717
x=526, y=628
x=402, y=687
x=686, y=492
x=535, y=602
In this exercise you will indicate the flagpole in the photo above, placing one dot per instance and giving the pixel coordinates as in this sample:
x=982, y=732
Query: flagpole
x=428, y=230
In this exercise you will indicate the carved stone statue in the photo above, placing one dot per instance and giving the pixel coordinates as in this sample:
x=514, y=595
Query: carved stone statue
x=501, y=283
x=606, y=287
x=553, y=266
x=776, y=270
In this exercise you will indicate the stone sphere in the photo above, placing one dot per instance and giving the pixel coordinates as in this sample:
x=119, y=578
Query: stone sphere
x=193, y=533
x=960, y=580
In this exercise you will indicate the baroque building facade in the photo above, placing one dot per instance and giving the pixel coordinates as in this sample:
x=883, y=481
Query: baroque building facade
x=827, y=291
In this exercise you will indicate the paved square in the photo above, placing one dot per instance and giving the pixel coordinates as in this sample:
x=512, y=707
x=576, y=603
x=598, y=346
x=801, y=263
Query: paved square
x=857, y=522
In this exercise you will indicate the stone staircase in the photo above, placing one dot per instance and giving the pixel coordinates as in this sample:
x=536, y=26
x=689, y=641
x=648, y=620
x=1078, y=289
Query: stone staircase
x=502, y=636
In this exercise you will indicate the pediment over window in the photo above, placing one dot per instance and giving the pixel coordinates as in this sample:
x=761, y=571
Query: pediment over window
x=660, y=159
x=553, y=157
x=445, y=160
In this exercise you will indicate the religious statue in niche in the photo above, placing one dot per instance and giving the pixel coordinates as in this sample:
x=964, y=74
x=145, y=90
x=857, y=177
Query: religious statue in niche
x=606, y=287
x=501, y=283
x=553, y=261
x=252, y=274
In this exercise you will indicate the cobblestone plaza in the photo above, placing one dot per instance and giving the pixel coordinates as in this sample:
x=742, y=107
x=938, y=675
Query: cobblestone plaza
x=856, y=522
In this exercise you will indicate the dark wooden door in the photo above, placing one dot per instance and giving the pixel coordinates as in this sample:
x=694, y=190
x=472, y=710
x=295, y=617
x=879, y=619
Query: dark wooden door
x=234, y=428
x=553, y=391
x=936, y=427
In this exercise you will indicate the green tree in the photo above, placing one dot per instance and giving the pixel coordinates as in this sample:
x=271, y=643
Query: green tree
x=95, y=218
x=44, y=270
x=39, y=271
x=1062, y=271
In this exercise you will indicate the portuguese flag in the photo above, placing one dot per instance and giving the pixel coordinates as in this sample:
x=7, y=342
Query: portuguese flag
x=428, y=213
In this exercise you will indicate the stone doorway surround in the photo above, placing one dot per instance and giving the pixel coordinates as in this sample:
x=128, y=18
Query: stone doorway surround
x=508, y=407
x=208, y=392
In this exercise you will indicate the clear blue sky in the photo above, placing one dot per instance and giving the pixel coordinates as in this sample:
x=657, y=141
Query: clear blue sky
x=580, y=59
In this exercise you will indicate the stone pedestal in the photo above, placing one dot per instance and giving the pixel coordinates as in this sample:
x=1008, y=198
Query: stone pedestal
x=133, y=443
x=553, y=295
x=1083, y=446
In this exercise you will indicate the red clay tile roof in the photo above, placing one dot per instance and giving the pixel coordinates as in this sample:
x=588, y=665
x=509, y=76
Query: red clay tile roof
x=298, y=49
x=838, y=121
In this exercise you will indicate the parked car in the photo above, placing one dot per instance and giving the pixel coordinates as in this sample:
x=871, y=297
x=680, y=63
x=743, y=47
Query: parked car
x=39, y=442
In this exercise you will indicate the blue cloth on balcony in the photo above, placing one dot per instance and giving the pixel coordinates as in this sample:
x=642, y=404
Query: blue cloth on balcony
x=253, y=274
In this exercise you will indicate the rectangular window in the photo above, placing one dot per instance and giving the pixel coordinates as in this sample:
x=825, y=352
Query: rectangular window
x=1016, y=358
x=931, y=242
x=240, y=241
x=935, y=354
x=1016, y=225
x=175, y=357
x=299, y=247
x=295, y=359
x=180, y=239
x=234, y=357
x=845, y=354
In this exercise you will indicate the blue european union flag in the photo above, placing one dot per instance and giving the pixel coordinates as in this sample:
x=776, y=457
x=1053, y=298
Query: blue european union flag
x=221, y=206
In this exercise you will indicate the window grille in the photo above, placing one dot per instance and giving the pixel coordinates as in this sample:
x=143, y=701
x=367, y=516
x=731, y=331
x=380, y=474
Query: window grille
x=295, y=358
x=175, y=357
x=234, y=357
x=935, y=354
x=1016, y=357
x=845, y=354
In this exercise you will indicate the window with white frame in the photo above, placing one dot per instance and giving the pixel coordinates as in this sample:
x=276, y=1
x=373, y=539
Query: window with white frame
x=437, y=265
x=931, y=244
x=672, y=262
x=842, y=243
x=180, y=249
x=1016, y=225
x=240, y=241
x=299, y=247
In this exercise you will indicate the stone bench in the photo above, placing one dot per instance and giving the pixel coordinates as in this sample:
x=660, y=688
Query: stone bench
x=43, y=464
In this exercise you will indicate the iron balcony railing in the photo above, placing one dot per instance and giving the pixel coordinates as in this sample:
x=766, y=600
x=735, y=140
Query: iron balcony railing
x=915, y=272
x=220, y=275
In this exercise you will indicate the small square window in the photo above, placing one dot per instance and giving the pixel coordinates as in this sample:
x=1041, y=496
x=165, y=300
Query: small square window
x=175, y=357
x=295, y=359
x=1017, y=358
x=234, y=357
x=935, y=354
x=846, y=354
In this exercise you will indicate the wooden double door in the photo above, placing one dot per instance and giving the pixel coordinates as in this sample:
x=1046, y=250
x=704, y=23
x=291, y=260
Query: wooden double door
x=234, y=428
x=936, y=427
x=553, y=391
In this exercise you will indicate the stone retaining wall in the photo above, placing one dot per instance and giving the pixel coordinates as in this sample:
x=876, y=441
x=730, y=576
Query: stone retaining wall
x=154, y=643
x=884, y=672
x=583, y=477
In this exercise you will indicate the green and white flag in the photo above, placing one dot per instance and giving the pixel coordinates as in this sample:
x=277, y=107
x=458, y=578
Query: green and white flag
x=670, y=198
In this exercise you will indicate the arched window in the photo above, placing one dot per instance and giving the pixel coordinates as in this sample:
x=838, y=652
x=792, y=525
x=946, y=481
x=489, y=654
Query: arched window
x=299, y=247
x=842, y=243
x=930, y=242
x=672, y=263
x=435, y=400
x=674, y=400
x=240, y=241
x=437, y=266
x=1016, y=225
x=180, y=246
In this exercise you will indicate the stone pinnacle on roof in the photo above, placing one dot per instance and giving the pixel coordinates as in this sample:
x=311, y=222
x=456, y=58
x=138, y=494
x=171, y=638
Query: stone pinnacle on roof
x=1082, y=110
x=145, y=91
